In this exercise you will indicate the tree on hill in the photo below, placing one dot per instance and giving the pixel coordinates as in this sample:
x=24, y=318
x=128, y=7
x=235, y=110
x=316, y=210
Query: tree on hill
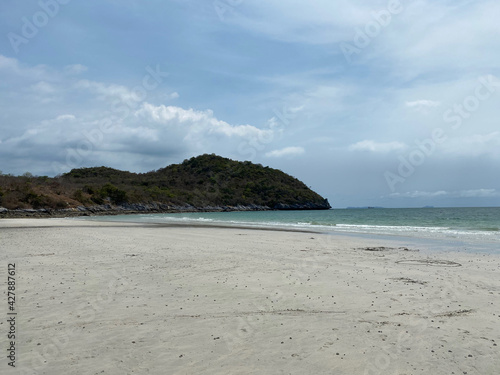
x=202, y=181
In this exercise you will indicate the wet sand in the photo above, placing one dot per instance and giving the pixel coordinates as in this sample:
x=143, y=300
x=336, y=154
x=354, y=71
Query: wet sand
x=116, y=298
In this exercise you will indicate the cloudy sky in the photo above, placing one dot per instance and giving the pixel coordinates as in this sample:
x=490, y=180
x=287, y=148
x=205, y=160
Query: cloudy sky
x=371, y=103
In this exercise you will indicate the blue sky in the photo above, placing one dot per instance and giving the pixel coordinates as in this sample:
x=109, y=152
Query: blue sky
x=371, y=103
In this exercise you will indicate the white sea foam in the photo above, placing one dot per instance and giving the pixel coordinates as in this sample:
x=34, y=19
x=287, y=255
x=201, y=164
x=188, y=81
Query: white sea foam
x=451, y=222
x=403, y=230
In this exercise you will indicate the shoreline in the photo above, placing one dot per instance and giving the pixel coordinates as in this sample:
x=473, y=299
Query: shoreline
x=429, y=245
x=445, y=244
x=148, y=208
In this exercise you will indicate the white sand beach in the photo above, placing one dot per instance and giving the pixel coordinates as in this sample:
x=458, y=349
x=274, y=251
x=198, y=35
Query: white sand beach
x=116, y=298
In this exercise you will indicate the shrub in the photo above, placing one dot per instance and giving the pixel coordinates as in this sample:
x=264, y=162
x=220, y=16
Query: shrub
x=60, y=205
x=78, y=195
x=115, y=195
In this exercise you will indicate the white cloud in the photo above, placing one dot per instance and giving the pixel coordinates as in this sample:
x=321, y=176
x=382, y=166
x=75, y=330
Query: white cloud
x=44, y=92
x=477, y=193
x=474, y=145
x=420, y=194
x=58, y=120
x=379, y=147
x=75, y=69
x=141, y=133
x=298, y=21
x=65, y=118
x=451, y=38
x=43, y=87
x=287, y=151
x=20, y=71
x=197, y=123
x=152, y=132
x=171, y=114
x=8, y=63
x=106, y=91
x=423, y=103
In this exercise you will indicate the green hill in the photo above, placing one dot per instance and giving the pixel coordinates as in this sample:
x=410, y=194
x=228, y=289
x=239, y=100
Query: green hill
x=205, y=182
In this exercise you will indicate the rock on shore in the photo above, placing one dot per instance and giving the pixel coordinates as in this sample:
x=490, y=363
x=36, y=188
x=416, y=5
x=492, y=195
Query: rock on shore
x=135, y=208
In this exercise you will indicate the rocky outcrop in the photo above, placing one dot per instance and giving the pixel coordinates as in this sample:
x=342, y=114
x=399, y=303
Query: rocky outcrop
x=306, y=206
x=137, y=208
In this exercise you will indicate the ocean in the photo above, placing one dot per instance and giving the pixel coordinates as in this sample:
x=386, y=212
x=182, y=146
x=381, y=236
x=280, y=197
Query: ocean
x=469, y=229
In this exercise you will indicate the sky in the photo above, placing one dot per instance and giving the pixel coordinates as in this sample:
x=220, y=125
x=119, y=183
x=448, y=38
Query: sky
x=370, y=103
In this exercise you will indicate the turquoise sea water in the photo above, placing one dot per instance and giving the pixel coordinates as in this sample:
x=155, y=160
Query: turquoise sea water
x=479, y=226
